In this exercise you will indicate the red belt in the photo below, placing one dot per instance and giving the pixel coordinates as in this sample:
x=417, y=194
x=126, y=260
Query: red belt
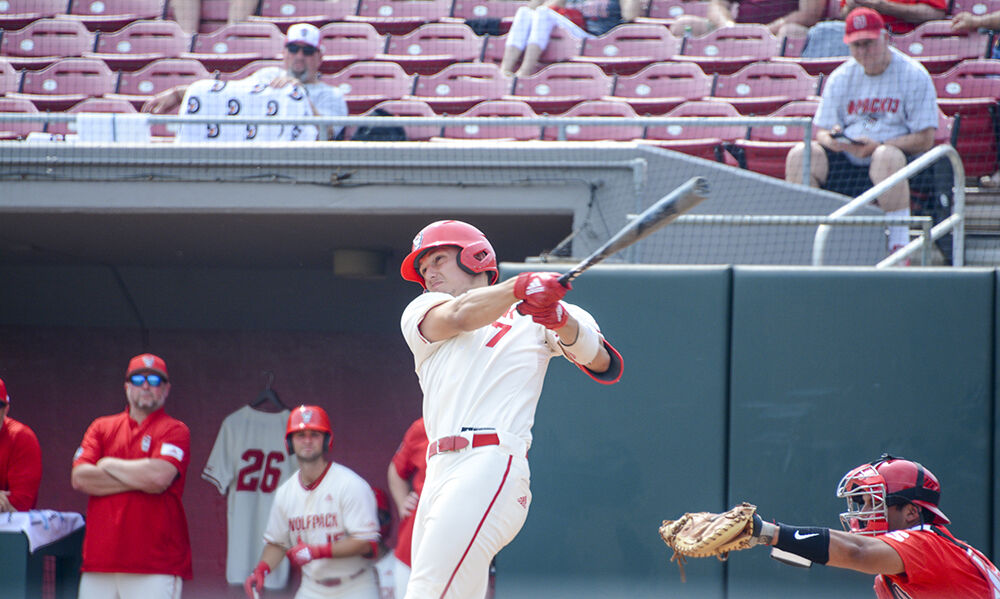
x=332, y=582
x=458, y=442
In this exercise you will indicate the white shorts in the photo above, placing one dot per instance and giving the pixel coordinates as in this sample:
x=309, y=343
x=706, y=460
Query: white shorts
x=113, y=585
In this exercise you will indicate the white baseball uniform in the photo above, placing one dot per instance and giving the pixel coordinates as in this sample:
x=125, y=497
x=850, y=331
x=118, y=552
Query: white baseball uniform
x=474, y=501
x=339, y=504
x=385, y=569
x=247, y=464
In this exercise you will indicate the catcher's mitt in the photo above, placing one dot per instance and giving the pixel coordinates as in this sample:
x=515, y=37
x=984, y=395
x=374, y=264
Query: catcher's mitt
x=706, y=534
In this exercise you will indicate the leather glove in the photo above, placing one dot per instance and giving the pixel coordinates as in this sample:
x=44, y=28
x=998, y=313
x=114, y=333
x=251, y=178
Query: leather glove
x=303, y=553
x=256, y=580
x=551, y=317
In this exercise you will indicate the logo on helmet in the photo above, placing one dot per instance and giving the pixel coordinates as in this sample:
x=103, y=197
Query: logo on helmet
x=307, y=416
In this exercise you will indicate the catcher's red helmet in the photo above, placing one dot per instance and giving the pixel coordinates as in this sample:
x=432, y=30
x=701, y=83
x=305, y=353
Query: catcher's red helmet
x=476, y=253
x=308, y=418
x=871, y=488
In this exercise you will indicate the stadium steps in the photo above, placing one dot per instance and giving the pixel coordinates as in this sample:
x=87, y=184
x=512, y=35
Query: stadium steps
x=982, y=227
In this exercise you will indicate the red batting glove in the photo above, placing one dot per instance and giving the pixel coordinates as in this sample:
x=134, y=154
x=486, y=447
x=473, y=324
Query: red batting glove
x=256, y=580
x=540, y=288
x=551, y=317
x=302, y=553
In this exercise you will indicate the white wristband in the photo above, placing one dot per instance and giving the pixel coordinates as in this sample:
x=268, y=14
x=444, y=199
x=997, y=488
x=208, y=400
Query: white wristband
x=585, y=348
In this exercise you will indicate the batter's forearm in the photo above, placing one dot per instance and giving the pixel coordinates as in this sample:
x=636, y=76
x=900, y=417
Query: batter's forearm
x=480, y=307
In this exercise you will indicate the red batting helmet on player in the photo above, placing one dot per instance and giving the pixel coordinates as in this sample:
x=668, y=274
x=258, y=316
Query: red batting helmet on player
x=308, y=418
x=476, y=253
x=871, y=488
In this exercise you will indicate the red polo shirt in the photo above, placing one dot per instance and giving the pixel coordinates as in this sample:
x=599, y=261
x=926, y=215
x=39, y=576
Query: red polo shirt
x=410, y=460
x=136, y=532
x=20, y=464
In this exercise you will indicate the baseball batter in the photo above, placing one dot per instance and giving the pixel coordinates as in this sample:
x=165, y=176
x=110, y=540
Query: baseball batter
x=247, y=464
x=481, y=349
x=323, y=518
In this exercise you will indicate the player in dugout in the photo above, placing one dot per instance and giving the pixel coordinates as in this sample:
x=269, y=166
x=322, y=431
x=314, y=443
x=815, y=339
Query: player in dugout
x=897, y=532
x=481, y=349
x=20, y=461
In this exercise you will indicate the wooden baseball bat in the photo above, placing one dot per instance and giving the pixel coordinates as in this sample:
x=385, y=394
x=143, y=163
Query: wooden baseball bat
x=657, y=216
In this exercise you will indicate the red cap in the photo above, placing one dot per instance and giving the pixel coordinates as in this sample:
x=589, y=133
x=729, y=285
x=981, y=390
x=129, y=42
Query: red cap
x=147, y=363
x=862, y=24
x=3, y=392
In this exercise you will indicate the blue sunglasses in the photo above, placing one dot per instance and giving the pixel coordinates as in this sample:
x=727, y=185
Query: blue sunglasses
x=154, y=380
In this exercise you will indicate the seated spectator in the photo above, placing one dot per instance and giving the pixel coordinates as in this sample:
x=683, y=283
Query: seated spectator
x=901, y=16
x=529, y=33
x=877, y=111
x=20, y=461
x=785, y=18
x=965, y=21
x=187, y=13
x=302, y=57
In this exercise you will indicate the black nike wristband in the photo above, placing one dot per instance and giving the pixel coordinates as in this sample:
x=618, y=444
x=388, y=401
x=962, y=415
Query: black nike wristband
x=810, y=542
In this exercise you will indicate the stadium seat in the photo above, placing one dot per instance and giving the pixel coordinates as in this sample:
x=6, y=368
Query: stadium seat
x=729, y=49
x=112, y=15
x=139, y=44
x=976, y=7
x=704, y=141
x=432, y=47
x=398, y=17
x=285, y=13
x=10, y=78
x=66, y=82
x=971, y=91
x=628, y=48
x=214, y=14
x=661, y=87
x=461, y=86
x=365, y=84
x=664, y=12
x=43, y=42
x=767, y=146
x=495, y=108
x=347, y=43
x=471, y=10
x=562, y=47
x=763, y=87
x=408, y=108
x=234, y=46
x=140, y=86
x=939, y=48
x=119, y=106
x=15, y=14
x=557, y=88
x=18, y=130
x=598, y=108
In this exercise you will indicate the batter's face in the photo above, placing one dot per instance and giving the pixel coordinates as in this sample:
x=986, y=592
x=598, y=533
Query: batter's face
x=441, y=272
x=146, y=398
x=308, y=445
x=302, y=67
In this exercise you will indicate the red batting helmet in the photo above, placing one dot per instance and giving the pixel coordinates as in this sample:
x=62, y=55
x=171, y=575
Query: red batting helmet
x=871, y=488
x=476, y=253
x=308, y=418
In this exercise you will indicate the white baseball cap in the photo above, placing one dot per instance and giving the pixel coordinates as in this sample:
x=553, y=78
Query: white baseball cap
x=303, y=33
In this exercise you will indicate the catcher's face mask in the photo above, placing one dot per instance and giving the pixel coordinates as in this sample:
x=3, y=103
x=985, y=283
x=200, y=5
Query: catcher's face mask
x=865, y=492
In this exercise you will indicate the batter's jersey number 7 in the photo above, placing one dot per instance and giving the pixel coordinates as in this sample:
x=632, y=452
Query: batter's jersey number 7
x=249, y=477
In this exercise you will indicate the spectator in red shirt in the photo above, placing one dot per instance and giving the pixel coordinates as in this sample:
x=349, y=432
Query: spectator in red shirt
x=900, y=16
x=778, y=15
x=20, y=461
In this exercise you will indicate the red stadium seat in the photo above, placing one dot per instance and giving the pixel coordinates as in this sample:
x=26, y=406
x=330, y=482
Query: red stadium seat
x=112, y=15
x=597, y=108
x=365, y=84
x=495, y=108
x=45, y=41
x=467, y=10
x=101, y=105
x=763, y=87
x=234, y=46
x=559, y=87
x=939, y=48
x=976, y=7
x=729, y=49
x=140, y=43
x=767, y=146
x=409, y=108
x=67, y=82
x=15, y=14
x=562, y=47
x=285, y=13
x=971, y=91
x=432, y=47
x=140, y=86
x=663, y=86
x=461, y=86
x=628, y=48
x=10, y=78
x=667, y=11
x=19, y=130
x=703, y=141
x=397, y=17
x=347, y=43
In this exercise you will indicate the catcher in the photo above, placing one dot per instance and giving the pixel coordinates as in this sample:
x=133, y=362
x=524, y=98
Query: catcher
x=895, y=530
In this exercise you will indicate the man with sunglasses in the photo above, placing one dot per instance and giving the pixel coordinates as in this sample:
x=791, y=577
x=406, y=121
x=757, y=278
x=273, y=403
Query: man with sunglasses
x=20, y=461
x=133, y=466
x=301, y=61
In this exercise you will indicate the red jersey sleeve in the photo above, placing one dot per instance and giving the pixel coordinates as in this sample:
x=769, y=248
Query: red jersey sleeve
x=934, y=566
x=174, y=446
x=92, y=447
